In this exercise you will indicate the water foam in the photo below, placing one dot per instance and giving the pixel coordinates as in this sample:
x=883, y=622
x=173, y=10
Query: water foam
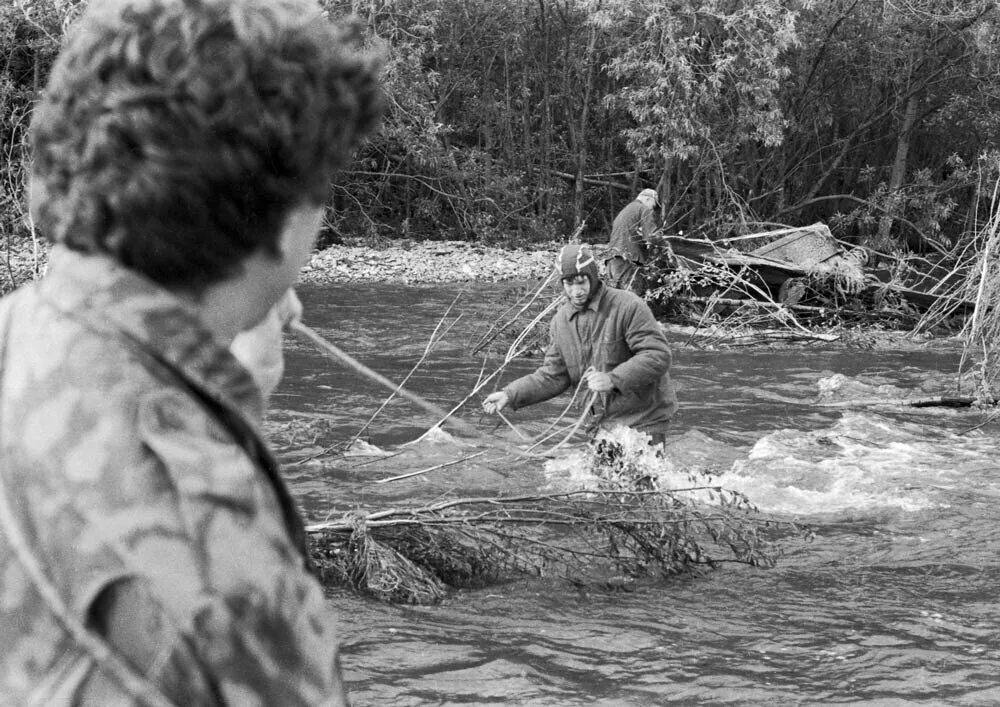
x=864, y=462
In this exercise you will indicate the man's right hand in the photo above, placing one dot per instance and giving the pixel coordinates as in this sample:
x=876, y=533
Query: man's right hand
x=495, y=402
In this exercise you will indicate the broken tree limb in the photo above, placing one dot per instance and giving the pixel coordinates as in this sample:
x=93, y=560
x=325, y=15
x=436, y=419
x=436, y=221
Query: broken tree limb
x=345, y=359
x=435, y=338
x=430, y=469
x=754, y=303
x=413, y=555
x=781, y=305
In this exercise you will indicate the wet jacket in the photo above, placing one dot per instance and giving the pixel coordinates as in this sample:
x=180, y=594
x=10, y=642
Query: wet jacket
x=631, y=232
x=617, y=334
x=130, y=459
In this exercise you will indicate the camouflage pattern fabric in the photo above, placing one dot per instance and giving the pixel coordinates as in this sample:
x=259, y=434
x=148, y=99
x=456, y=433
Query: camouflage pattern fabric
x=134, y=469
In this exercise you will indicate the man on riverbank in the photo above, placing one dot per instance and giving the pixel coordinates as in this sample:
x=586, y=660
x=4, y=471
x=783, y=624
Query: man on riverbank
x=150, y=552
x=632, y=233
x=607, y=339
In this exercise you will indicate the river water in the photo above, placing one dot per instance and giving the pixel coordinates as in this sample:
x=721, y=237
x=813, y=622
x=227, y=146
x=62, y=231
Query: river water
x=895, y=601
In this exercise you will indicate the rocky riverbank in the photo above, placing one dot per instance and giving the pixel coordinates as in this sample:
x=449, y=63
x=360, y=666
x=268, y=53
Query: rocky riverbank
x=427, y=262
x=405, y=262
x=402, y=262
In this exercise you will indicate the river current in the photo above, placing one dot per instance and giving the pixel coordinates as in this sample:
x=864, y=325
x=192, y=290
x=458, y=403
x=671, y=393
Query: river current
x=894, y=601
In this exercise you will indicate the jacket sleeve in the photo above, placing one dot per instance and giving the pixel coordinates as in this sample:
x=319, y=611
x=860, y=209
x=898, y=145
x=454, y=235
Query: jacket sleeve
x=226, y=575
x=548, y=381
x=650, y=353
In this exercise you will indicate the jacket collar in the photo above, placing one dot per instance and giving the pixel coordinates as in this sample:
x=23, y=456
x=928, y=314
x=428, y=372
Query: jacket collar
x=111, y=299
x=593, y=304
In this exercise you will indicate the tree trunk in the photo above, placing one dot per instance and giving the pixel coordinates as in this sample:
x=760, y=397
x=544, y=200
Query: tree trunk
x=526, y=133
x=581, y=134
x=546, y=144
x=898, y=167
x=663, y=189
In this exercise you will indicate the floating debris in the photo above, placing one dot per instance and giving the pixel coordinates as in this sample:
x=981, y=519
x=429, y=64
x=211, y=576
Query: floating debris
x=624, y=523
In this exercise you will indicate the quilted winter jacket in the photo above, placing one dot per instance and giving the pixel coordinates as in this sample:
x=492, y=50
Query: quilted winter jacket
x=616, y=333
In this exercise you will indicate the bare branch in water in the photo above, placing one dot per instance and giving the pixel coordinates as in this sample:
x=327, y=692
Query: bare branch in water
x=435, y=338
x=623, y=525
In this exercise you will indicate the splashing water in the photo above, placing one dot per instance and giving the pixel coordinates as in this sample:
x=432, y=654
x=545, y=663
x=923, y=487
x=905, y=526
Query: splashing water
x=577, y=469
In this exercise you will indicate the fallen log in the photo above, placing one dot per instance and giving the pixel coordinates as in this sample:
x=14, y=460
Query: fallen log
x=938, y=401
x=881, y=314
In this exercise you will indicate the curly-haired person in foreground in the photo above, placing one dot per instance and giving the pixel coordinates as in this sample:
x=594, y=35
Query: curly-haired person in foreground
x=149, y=551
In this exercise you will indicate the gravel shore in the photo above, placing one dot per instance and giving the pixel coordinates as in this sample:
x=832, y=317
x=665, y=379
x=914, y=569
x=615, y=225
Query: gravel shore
x=403, y=262
x=427, y=262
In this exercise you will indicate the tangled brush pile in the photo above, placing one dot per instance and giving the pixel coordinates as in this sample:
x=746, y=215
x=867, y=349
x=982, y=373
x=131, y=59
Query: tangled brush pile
x=623, y=522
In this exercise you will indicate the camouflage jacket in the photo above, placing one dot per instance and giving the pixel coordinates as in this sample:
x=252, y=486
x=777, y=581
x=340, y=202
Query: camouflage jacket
x=616, y=333
x=131, y=458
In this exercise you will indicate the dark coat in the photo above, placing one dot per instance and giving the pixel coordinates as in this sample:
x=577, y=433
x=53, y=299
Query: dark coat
x=616, y=333
x=631, y=232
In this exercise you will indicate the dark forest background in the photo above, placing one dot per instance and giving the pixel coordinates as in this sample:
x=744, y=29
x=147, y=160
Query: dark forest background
x=515, y=121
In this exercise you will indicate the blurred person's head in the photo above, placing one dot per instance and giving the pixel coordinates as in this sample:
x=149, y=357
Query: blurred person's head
x=179, y=137
x=649, y=197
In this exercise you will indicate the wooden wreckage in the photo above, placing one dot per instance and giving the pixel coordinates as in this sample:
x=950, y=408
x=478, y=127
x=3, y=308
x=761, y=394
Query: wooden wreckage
x=798, y=283
x=803, y=284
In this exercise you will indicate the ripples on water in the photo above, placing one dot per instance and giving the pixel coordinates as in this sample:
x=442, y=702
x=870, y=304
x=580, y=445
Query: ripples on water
x=894, y=602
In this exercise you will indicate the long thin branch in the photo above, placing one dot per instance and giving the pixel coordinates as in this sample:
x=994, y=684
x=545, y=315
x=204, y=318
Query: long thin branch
x=579, y=497
x=431, y=343
x=431, y=468
x=496, y=329
x=346, y=359
x=573, y=429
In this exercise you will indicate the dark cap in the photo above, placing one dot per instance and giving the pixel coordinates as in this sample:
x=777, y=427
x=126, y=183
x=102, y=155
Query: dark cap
x=578, y=259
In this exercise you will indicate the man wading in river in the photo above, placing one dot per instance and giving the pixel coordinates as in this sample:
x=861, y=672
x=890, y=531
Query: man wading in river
x=149, y=551
x=610, y=340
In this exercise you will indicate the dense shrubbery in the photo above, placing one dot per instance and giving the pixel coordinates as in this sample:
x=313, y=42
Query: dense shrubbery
x=514, y=122
x=28, y=39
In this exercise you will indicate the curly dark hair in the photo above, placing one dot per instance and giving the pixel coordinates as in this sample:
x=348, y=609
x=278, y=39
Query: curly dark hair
x=175, y=135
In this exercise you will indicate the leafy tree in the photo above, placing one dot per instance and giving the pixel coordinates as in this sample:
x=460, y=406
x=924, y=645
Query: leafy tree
x=524, y=120
x=881, y=104
x=30, y=32
x=699, y=82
